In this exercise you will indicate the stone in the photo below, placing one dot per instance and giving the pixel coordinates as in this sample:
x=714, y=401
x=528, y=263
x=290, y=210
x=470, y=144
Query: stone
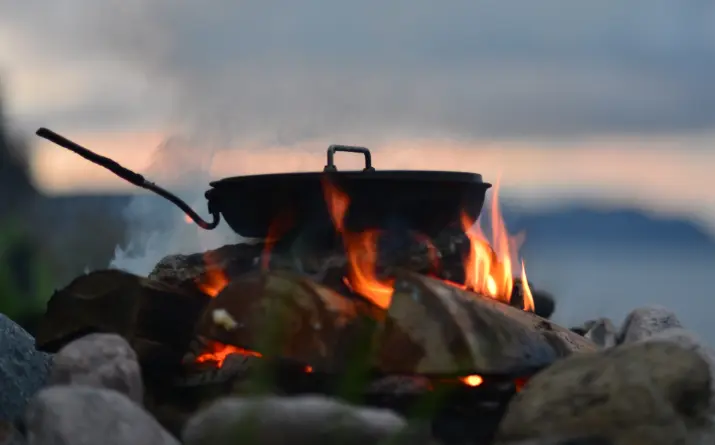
x=544, y=303
x=101, y=361
x=23, y=369
x=305, y=420
x=601, y=331
x=588, y=440
x=689, y=340
x=654, y=392
x=82, y=415
x=646, y=321
x=9, y=435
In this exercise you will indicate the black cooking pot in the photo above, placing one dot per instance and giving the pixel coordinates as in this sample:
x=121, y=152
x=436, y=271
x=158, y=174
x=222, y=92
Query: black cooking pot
x=422, y=201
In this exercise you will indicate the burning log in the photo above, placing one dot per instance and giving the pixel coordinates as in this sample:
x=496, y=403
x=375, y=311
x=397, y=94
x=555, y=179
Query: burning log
x=185, y=270
x=287, y=315
x=156, y=318
x=433, y=327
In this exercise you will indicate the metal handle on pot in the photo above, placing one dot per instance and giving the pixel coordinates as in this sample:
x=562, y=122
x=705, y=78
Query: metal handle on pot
x=330, y=167
x=129, y=176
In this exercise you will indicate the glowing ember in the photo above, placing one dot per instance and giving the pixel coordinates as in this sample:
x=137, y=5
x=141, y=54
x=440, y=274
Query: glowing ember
x=218, y=353
x=472, y=380
x=519, y=384
x=188, y=220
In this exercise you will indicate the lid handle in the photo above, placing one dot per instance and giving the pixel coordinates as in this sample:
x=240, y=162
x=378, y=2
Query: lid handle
x=330, y=167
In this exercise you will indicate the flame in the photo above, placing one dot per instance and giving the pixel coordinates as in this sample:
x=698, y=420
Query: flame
x=214, y=280
x=361, y=249
x=218, y=353
x=527, y=295
x=473, y=380
x=487, y=267
x=188, y=220
x=277, y=229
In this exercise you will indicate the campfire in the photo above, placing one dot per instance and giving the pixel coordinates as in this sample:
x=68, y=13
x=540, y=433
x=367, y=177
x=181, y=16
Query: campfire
x=487, y=271
x=383, y=280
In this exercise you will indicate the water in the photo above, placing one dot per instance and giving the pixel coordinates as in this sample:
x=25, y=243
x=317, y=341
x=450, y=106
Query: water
x=591, y=281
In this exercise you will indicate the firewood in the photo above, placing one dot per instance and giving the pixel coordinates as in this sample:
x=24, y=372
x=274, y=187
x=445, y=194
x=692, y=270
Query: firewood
x=436, y=328
x=156, y=318
x=185, y=270
x=287, y=315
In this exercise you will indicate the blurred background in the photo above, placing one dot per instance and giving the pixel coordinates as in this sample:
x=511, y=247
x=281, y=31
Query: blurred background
x=597, y=117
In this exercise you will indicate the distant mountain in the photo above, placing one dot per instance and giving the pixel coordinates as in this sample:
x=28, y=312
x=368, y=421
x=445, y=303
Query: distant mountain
x=584, y=225
x=573, y=224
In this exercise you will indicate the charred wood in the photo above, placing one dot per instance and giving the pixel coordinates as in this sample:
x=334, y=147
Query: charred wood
x=287, y=315
x=157, y=319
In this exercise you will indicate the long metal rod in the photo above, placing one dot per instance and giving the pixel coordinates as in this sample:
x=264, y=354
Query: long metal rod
x=129, y=176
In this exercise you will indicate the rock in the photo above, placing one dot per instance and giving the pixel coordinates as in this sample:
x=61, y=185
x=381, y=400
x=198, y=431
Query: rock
x=101, y=361
x=9, y=435
x=307, y=420
x=23, y=369
x=645, y=322
x=589, y=440
x=544, y=303
x=82, y=415
x=654, y=392
x=601, y=331
x=689, y=340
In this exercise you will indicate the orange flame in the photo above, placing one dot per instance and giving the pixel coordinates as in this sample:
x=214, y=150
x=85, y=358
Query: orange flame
x=361, y=251
x=487, y=269
x=219, y=352
x=214, y=280
x=278, y=227
x=526, y=290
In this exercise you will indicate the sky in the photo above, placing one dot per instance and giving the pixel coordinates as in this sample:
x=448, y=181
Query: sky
x=602, y=99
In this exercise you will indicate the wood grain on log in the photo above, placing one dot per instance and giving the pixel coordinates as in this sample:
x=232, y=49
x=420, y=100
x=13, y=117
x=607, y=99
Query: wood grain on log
x=156, y=318
x=436, y=328
x=287, y=315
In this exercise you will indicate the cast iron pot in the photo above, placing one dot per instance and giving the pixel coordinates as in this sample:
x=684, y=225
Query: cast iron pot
x=421, y=201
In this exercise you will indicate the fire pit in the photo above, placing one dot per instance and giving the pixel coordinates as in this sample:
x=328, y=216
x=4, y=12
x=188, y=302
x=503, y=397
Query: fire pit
x=371, y=286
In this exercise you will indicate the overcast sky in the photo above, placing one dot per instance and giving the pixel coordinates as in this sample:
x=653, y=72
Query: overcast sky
x=541, y=75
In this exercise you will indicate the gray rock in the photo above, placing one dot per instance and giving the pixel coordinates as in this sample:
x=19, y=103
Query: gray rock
x=23, y=370
x=688, y=340
x=102, y=361
x=588, y=440
x=307, y=420
x=601, y=331
x=653, y=392
x=82, y=415
x=9, y=435
x=646, y=321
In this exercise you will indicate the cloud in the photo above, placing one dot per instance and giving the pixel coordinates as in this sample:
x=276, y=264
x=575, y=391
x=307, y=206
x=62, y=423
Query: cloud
x=286, y=71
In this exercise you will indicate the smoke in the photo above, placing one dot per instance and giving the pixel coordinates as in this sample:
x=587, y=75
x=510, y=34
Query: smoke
x=155, y=227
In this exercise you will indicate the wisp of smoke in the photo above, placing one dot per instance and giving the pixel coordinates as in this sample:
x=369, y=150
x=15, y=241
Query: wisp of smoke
x=156, y=228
